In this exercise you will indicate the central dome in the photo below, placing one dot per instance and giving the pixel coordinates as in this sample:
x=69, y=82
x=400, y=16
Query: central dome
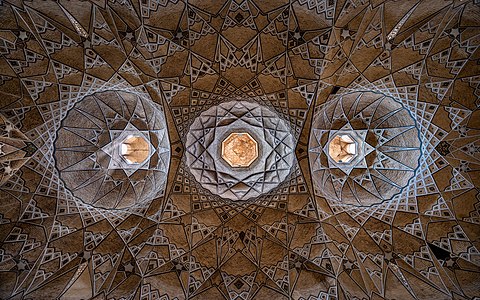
x=239, y=150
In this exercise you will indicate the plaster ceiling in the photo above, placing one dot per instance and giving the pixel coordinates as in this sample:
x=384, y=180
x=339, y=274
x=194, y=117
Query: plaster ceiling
x=400, y=220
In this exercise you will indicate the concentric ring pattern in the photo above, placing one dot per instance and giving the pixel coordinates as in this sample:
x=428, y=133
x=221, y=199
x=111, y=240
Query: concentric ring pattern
x=388, y=148
x=275, y=146
x=89, y=156
x=358, y=179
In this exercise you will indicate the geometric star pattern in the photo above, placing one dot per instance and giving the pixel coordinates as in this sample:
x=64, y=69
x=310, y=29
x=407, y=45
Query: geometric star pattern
x=292, y=57
x=88, y=155
x=15, y=149
x=275, y=142
x=388, y=148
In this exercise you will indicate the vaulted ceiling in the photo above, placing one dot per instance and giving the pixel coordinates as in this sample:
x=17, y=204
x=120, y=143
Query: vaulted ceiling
x=82, y=83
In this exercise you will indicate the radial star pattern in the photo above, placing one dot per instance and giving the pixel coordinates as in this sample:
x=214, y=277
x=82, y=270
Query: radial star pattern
x=387, y=148
x=204, y=150
x=89, y=150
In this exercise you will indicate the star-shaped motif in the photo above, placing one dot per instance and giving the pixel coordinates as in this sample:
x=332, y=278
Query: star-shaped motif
x=179, y=35
x=129, y=267
x=23, y=35
x=455, y=32
x=7, y=170
x=348, y=265
x=129, y=36
x=449, y=262
x=87, y=44
x=298, y=265
x=178, y=267
x=22, y=265
x=388, y=46
x=345, y=33
x=388, y=256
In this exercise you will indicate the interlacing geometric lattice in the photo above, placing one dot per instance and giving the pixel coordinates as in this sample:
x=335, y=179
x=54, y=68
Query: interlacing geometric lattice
x=88, y=150
x=411, y=236
x=387, y=142
x=275, y=145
